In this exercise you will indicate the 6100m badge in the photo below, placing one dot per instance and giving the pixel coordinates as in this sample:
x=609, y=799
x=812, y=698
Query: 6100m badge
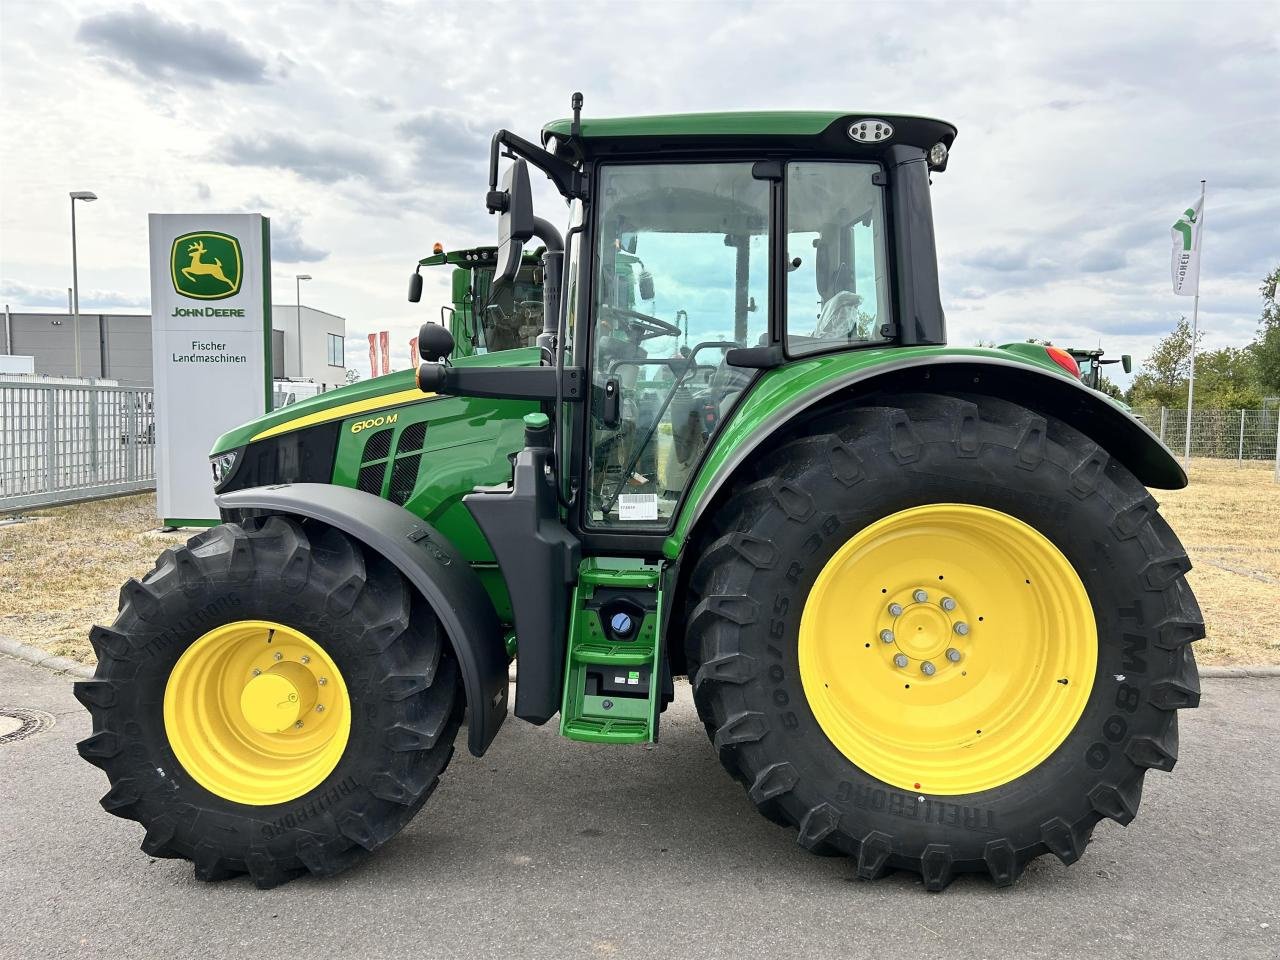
x=206, y=266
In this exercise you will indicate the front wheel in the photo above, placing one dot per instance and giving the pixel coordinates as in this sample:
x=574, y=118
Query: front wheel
x=944, y=634
x=270, y=700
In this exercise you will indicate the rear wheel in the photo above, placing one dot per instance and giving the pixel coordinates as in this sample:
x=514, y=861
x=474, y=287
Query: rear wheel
x=943, y=634
x=270, y=700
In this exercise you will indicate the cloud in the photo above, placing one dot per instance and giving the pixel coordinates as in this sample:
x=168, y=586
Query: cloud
x=1103, y=260
x=450, y=145
x=325, y=160
x=156, y=48
x=19, y=295
x=1002, y=260
x=287, y=245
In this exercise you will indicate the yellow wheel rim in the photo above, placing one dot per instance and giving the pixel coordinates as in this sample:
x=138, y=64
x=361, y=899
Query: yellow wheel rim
x=257, y=712
x=947, y=649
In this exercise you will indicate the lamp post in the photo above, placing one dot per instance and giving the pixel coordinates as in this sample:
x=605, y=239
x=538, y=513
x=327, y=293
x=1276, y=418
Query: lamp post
x=87, y=196
x=297, y=284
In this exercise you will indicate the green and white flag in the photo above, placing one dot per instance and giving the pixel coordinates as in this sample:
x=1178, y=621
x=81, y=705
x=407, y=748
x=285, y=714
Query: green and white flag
x=1186, y=250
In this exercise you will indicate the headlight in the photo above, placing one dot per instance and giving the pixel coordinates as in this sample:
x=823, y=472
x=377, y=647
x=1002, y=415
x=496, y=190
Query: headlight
x=938, y=156
x=222, y=465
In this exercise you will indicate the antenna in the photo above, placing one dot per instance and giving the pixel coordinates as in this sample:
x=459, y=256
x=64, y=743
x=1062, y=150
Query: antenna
x=575, y=102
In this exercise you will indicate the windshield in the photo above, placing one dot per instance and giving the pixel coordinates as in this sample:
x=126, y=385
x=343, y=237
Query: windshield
x=514, y=317
x=681, y=276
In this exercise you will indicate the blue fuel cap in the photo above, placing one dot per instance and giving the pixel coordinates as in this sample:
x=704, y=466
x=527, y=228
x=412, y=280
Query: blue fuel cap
x=621, y=624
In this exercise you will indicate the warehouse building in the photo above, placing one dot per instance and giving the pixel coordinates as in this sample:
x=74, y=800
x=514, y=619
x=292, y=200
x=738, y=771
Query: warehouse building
x=306, y=344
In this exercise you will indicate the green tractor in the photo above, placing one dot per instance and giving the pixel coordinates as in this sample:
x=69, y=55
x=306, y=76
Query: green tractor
x=1091, y=362
x=479, y=323
x=930, y=615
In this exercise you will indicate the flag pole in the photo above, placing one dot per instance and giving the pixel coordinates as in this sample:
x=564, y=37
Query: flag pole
x=1195, y=323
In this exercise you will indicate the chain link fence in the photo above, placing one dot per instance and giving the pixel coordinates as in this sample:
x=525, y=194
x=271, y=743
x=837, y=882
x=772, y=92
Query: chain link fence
x=1221, y=434
x=65, y=442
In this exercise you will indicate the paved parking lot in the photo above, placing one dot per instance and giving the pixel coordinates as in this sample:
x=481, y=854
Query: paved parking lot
x=546, y=848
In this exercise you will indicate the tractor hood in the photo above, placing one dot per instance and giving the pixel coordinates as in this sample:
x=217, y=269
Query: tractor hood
x=380, y=393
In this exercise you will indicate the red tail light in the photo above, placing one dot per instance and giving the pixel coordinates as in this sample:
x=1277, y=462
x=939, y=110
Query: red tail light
x=1065, y=360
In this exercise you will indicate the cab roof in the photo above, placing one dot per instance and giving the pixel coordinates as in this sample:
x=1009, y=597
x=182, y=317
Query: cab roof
x=812, y=129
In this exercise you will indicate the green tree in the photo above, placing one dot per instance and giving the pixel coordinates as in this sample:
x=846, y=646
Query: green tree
x=1109, y=387
x=1266, y=346
x=1227, y=379
x=352, y=375
x=1162, y=381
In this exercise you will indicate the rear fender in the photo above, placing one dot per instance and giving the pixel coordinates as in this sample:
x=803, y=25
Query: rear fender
x=773, y=404
x=431, y=564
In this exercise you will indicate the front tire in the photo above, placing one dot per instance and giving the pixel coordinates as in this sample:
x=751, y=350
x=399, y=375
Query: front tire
x=872, y=743
x=244, y=622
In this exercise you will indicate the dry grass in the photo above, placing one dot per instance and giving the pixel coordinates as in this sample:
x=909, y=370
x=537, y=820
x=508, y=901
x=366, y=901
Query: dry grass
x=1229, y=521
x=62, y=572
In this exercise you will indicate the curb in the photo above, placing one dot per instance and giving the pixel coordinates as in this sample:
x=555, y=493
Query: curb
x=1229, y=673
x=42, y=658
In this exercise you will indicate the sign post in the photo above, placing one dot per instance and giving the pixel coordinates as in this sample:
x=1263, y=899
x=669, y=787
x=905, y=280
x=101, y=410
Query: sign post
x=211, y=347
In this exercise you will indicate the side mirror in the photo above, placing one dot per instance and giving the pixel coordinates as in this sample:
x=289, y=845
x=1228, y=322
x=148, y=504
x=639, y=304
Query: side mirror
x=415, y=287
x=646, y=285
x=515, y=224
x=435, y=342
x=628, y=241
x=1126, y=362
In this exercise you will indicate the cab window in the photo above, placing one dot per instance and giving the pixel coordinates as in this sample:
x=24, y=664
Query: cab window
x=837, y=268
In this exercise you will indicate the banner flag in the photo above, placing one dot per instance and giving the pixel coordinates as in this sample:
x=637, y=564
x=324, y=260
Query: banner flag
x=373, y=355
x=1185, y=264
x=384, y=340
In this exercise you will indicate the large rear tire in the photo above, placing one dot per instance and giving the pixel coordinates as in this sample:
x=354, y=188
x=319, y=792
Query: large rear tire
x=210, y=651
x=887, y=621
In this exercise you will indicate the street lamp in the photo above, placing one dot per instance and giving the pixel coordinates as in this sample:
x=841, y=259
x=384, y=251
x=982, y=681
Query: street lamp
x=86, y=196
x=297, y=284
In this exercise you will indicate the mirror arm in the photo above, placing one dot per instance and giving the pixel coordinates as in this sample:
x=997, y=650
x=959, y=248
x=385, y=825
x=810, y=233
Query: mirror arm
x=563, y=174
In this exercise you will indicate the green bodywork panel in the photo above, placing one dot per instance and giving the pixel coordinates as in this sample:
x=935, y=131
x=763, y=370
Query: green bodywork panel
x=613, y=718
x=464, y=442
x=787, y=387
x=798, y=123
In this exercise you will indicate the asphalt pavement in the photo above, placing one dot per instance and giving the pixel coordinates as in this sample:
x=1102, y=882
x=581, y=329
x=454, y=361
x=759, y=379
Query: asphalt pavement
x=546, y=848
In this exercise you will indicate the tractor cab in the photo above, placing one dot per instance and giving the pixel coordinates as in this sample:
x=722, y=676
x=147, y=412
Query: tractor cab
x=479, y=324
x=1091, y=363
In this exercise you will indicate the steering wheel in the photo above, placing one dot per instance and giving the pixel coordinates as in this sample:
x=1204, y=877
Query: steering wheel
x=649, y=327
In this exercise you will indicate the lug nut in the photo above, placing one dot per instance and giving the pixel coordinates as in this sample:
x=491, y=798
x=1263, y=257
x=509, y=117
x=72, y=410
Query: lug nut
x=920, y=596
x=962, y=629
x=305, y=658
x=895, y=609
x=886, y=636
x=298, y=724
x=319, y=708
x=948, y=604
x=322, y=681
x=256, y=671
x=900, y=660
x=278, y=655
x=928, y=669
x=953, y=655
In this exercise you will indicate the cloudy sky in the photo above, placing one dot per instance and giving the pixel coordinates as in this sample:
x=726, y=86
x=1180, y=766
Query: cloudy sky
x=361, y=129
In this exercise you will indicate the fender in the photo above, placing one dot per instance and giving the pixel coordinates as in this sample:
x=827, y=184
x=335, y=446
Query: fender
x=430, y=562
x=784, y=394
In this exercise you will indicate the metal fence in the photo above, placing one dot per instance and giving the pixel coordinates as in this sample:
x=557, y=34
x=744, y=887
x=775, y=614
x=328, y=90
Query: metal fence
x=1222, y=434
x=65, y=442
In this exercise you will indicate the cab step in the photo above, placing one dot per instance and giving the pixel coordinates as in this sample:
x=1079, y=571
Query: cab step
x=613, y=676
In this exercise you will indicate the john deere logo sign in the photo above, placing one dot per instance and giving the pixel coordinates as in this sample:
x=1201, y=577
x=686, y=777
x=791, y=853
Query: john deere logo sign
x=206, y=266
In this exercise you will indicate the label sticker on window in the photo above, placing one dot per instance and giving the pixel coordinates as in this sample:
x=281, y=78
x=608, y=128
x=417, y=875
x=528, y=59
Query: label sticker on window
x=638, y=506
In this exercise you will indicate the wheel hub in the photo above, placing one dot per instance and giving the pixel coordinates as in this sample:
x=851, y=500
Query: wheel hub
x=257, y=712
